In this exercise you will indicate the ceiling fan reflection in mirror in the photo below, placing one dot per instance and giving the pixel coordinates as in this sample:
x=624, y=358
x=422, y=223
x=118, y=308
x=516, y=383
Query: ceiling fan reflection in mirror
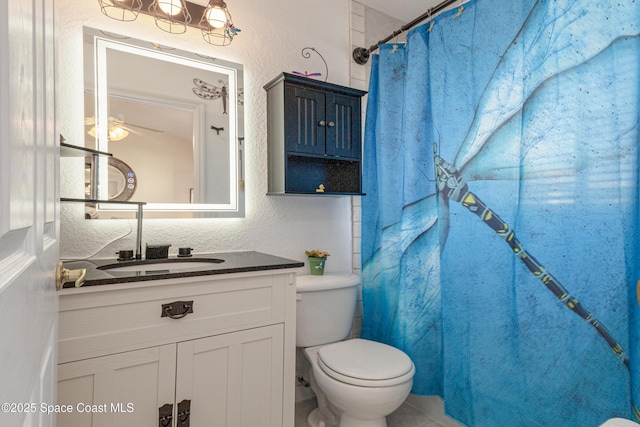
x=118, y=129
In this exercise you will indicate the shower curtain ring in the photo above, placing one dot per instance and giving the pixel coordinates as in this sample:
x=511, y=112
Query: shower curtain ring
x=460, y=10
x=432, y=23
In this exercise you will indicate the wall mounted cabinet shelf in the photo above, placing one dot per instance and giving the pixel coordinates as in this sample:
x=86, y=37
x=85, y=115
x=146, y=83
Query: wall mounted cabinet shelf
x=94, y=201
x=69, y=150
x=314, y=137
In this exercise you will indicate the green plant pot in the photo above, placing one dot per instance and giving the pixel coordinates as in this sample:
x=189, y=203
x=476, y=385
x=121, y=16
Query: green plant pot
x=316, y=265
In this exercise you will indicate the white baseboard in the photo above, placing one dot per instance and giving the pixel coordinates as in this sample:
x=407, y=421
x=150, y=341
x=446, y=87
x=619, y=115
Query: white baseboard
x=433, y=407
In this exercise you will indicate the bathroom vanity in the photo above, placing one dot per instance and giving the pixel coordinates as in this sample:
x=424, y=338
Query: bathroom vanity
x=210, y=346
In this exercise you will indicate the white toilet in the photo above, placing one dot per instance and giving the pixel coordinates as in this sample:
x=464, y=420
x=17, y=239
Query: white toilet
x=619, y=422
x=358, y=382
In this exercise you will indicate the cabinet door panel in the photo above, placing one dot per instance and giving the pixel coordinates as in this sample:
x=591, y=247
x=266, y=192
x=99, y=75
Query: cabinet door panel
x=128, y=388
x=343, y=126
x=233, y=380
x=304, y=120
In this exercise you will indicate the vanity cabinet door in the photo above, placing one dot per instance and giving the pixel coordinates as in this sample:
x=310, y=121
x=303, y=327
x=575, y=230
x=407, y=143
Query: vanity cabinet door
x=119, y=390
x=233, y=380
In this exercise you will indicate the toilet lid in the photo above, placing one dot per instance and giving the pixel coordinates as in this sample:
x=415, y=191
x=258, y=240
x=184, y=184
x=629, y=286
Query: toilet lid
x=360, y=361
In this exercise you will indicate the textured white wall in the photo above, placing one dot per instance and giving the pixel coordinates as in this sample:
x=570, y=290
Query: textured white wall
x=273, y=34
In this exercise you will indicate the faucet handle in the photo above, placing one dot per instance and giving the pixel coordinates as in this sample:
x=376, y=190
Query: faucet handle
x=125, y=255
x=184, y=252
x=157, y=251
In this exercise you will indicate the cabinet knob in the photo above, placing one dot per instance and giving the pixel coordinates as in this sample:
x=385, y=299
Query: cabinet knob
x=321, y=123
x=331, y=124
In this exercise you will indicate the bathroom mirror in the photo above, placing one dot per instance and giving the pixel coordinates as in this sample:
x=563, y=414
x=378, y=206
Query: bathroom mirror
x=174, y=118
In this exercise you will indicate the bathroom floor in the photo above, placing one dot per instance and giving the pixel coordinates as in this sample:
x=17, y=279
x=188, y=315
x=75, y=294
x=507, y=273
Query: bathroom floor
x=405, y=416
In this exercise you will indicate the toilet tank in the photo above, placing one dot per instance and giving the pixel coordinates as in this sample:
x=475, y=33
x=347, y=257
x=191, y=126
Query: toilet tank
x=324, y=308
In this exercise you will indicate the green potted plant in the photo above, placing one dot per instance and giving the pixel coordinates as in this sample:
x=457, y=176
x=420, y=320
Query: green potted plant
x=317, y=259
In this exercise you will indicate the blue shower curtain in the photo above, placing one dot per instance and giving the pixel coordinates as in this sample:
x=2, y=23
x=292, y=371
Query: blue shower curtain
x=500, y=228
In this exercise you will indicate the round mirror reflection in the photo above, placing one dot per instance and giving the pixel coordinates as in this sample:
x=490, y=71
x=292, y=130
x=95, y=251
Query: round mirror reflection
x=122, y=180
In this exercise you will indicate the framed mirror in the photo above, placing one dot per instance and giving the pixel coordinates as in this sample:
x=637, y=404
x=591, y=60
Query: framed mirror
x=174, y=118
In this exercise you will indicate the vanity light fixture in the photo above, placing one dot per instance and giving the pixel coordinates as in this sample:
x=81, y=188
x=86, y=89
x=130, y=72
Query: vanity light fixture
x=174, y=16
x=122, y=10
x=171, y=16
x=216, y=17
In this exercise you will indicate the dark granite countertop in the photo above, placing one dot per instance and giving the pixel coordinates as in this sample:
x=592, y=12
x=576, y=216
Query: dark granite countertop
x=234, y=262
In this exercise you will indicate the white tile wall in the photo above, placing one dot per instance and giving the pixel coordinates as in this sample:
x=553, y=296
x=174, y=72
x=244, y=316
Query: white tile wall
x=358, y=80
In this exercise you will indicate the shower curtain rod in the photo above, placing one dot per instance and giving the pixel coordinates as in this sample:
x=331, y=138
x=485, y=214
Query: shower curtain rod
x=361, y=54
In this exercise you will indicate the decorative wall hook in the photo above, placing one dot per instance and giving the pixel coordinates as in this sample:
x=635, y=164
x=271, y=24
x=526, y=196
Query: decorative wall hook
x=305, y=54
x=217, y=129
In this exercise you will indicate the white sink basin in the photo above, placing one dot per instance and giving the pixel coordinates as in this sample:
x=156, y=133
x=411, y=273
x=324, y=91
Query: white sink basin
x=187, y=264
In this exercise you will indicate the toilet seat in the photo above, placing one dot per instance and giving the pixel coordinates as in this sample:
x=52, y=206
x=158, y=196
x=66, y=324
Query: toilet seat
x=365, y=363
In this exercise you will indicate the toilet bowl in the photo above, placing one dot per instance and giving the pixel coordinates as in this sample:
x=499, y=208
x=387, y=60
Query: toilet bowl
x=358, y=382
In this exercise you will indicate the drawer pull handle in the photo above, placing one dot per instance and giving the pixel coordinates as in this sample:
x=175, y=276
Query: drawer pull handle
x=165, y=415
x=184, y=410
x=177, y=310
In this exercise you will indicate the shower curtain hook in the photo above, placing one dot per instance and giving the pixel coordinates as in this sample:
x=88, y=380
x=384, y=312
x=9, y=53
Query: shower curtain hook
x=432, y=23
x=460, y=11
x=395, y=47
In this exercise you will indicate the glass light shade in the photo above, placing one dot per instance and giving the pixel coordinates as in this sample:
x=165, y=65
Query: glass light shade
x=115, y=133
x=170, y=7
x=216, y=17
x=217, y=27
x=171, y=16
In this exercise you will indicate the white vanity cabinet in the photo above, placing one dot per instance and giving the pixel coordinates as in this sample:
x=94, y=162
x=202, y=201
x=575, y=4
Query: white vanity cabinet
x=229, y=362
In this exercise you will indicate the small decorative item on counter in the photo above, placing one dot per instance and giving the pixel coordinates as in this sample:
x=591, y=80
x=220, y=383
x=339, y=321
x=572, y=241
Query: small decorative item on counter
x=317, y=259
x=185, y=252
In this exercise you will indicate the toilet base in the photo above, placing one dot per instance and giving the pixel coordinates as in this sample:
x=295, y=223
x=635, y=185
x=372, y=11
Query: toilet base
x=347, y=421
x=315, y=419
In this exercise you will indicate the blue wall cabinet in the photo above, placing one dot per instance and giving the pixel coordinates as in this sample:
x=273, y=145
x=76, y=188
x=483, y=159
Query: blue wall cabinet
x=314, y=137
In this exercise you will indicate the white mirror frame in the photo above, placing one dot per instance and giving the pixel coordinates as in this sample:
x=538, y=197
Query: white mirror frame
x=101, y=45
